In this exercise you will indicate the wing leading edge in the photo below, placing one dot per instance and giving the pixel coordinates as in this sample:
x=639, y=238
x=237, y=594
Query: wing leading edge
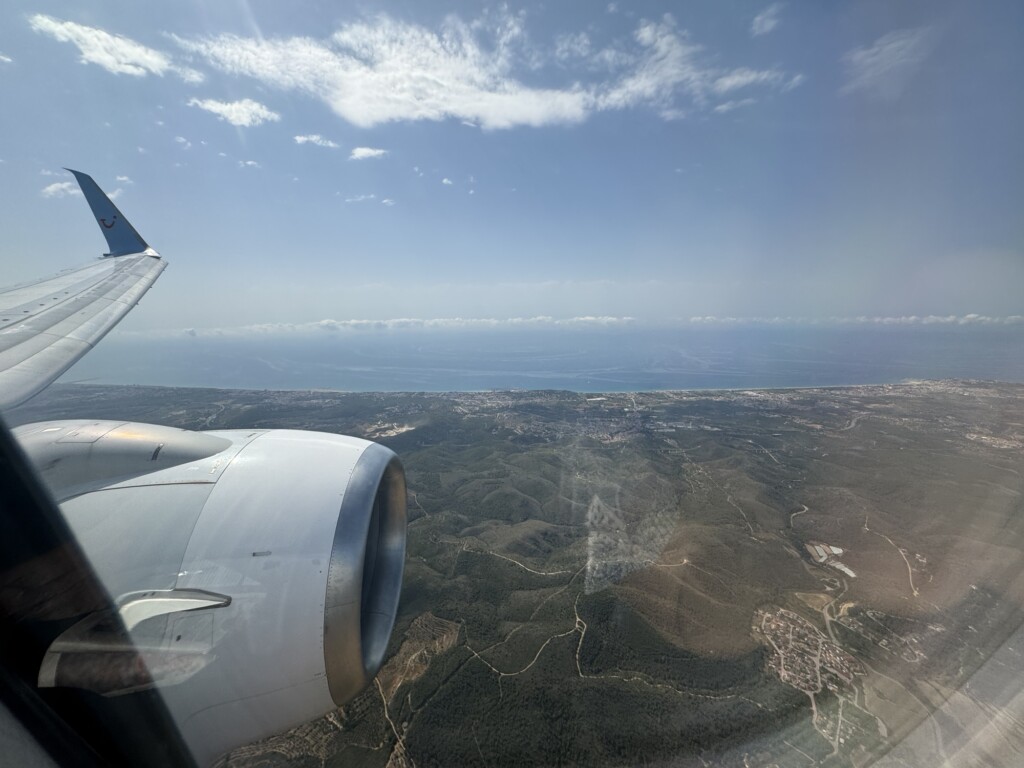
x=47, y=325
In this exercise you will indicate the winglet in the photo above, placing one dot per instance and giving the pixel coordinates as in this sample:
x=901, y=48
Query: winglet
x=122, y=239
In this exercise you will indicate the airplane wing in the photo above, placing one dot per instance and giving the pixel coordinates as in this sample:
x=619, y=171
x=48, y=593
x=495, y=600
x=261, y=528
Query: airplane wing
x=249, y=578
x=46, y=325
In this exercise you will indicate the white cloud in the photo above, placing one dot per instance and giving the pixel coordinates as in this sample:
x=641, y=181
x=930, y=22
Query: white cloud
x=402, y=323
x=363, y=153
x=124, y=180
x=387, y=201
x=61, y=189
x=745, y=77
x=245, y=113
x=864, y=320
x=360, y=198
x=447, y=182
x=729, y=106
x=115, y=194
x=5, y=59
x=185, y=143
x=670, y=65
x=384, y=70
x=885, y=68
x=794, y=82
x=248, y=164
x=115, y=53
x=572, y=46
x=666, y=65
x=766, y=20
x=317, y=140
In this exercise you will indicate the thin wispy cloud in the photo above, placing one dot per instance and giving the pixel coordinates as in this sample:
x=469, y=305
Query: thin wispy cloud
x=124, y=180
x=360, y=198
x=5, y=59
x=385, y=70
x=365, y=153
x=971, y=319
x=885, y=68
x=540, y=322
x=665, y=64
x=744, y=77
x=319, y=327
x=185, y=143
x=766, y=20
x=316, y=140
x=729, y=106
x=245, y=113
x=61, y=189
x=572, y=46
x=249, y=164
x=115, y=53
x=671, y=65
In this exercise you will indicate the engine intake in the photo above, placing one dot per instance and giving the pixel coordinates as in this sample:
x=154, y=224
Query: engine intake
x=364, y=579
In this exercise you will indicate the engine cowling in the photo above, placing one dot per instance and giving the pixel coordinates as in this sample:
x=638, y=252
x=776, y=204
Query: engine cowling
x=257, y=573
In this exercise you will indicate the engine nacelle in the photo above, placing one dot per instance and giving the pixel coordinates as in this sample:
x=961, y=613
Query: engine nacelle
x=257, y=572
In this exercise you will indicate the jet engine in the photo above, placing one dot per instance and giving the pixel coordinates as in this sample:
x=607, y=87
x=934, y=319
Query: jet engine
x=256, y=574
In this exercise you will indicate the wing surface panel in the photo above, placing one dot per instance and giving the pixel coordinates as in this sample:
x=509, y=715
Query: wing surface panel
x=46, y=326
x=72, y=280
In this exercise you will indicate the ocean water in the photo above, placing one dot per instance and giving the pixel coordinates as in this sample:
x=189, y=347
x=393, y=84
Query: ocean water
x=578, y=359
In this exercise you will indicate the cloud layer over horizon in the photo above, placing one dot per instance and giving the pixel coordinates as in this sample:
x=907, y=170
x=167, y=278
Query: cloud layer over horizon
x=544, y=322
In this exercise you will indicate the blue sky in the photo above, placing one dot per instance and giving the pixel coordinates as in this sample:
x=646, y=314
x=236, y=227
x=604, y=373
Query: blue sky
x=659, y=161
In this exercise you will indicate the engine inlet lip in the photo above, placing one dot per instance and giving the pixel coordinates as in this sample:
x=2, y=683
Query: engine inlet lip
x=357, y=630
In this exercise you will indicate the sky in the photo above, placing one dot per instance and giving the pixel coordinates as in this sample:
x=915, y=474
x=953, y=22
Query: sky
x=318, y=164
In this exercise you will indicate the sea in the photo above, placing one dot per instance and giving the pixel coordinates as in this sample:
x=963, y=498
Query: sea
x=590, y=359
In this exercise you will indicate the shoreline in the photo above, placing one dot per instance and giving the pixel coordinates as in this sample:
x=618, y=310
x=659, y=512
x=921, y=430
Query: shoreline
x=527, y=390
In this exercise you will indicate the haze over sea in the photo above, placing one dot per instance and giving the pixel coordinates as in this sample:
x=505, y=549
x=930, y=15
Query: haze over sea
x=579, y=359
